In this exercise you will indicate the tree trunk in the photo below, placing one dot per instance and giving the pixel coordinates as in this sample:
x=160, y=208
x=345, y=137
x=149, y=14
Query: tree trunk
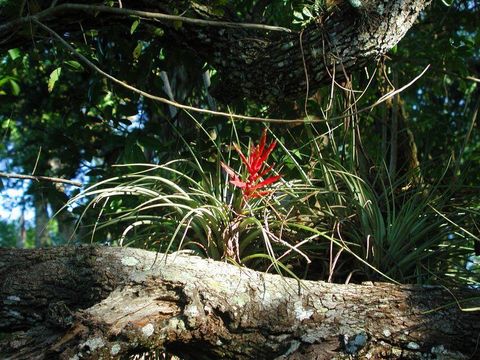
x=41, y=220
x=263, y=65
x=22, y=231
x=65, y=220
x=101, y=302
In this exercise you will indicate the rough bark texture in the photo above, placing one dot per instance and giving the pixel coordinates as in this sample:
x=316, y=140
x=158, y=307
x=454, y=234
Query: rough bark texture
x=273, y=67
x=100, y=302
x=257, y=64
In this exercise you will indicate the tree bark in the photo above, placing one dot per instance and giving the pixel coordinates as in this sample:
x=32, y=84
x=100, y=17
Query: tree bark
x=283, y=66
x=42, y=237
x=267, y=66
x=101, y=302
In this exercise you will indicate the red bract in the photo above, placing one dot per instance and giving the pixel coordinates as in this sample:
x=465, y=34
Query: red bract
x=256, y=168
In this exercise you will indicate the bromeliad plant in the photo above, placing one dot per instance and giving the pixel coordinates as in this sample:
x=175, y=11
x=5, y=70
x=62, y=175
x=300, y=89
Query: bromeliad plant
x=252, y=186
x=386, y=227
x=189, y=204
x=256, y=165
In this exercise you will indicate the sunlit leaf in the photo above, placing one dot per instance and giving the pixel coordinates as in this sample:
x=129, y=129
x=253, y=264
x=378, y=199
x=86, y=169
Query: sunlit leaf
x=15, y=87
x=75, y=65
x=137, y=51
x=134, y=26
x=14, y=53
x=54, y=76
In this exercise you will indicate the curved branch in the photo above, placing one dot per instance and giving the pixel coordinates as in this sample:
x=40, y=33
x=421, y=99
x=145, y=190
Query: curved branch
x=272, y=67
x=160, y=99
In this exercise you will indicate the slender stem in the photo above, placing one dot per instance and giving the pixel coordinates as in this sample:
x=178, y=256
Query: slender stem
x=394, y=131
x=40, y=178
x=467, y=137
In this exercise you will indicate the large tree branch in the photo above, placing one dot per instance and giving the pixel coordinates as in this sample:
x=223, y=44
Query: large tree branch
x=253, y=62
x=100, y=302
x=272, y=67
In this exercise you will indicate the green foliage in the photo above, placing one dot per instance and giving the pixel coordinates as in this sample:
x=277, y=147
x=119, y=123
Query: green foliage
x=8, y=234
x=441, y=108
x=54, y=76
x=410, y=235
x=333, y=225
x=190, y=205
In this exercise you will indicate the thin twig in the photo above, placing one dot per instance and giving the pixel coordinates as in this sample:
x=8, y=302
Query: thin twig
x=40, y=178
x=304, y=62
x=458, y=76
x=37, y=160
x=95, y=9
x=394, y=131
x=467, y=136
x=471, y=78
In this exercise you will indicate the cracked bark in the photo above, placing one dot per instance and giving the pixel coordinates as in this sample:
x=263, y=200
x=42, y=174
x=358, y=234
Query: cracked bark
x=259, y=65
x=100, y=302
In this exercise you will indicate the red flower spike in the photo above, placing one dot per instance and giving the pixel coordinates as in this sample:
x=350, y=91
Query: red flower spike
x=242, y=157
x=258, y=155
x=265, y=171
x=256, y=168
x=266, y=182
